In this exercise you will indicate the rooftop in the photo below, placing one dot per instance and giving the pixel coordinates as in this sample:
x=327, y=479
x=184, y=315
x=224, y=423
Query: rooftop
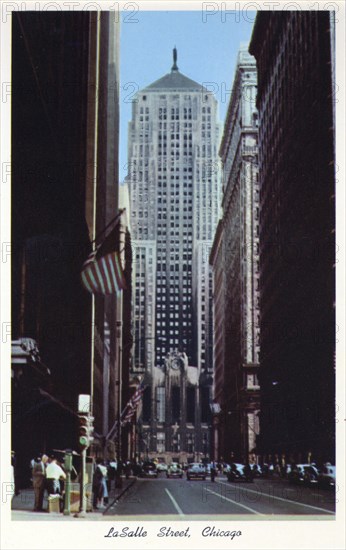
x=174, y=80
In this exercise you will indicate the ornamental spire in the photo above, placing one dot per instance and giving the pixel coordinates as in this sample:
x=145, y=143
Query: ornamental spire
x=175, y=55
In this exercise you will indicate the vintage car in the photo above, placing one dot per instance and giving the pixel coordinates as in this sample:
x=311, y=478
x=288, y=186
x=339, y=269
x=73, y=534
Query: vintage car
x=327, y=476
x=161, y=467
x=174, y=470
x=148, y=469
x=240, y=472
x=303, y=474
x=196, y=470
x=256, y=469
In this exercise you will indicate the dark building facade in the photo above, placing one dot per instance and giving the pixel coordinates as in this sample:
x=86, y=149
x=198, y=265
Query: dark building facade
x=234, y=259
x=294, y=53
x=64, y=191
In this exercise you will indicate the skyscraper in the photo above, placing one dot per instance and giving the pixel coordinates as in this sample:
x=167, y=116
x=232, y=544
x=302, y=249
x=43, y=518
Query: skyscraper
x=175, y=195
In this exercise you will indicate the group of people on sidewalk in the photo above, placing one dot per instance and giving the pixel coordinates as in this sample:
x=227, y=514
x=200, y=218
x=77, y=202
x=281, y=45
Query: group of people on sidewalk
x=47, y=474
x=105, y=473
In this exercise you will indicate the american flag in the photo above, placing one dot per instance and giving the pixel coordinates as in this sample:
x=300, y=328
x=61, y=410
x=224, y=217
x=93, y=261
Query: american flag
x=133, y=403
x=102, y=272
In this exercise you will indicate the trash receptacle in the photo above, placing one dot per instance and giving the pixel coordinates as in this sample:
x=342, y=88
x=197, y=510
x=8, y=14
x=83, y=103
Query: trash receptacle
x=54, y=504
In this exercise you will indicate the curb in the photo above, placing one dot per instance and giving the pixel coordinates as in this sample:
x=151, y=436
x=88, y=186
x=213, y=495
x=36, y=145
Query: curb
x=119, y=495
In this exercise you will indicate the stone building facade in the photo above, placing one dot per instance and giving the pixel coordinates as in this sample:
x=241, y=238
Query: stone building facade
x=175, y=195
x=235, y=259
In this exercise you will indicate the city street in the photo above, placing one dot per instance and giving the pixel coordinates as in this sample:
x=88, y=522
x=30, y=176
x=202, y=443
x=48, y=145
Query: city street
x=197, y=499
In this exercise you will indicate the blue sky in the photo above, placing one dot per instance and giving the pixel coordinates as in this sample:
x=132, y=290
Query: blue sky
x=207, y=52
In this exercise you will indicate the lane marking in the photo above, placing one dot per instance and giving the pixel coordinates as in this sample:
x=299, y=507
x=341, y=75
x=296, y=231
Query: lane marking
x=175, y=504
x=284, y=499
x=234, y=502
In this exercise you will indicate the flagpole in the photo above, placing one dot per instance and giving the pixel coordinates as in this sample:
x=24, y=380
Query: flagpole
x=128, y=405
x=92, y=358
x=108, y=224
x=119, y=323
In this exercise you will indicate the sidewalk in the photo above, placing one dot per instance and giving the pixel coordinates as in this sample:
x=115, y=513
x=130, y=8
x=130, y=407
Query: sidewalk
x=23, y=506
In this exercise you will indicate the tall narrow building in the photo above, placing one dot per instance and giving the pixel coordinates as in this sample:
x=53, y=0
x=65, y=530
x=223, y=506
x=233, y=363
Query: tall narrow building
x=175, y=195
x=235, y=260
x=295, y=62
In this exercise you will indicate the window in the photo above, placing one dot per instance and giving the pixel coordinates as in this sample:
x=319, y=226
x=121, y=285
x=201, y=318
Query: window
x=161, y=404
x=147, y=404
x=190, y=404
x=161, y=443
x=252, y=381
x=205, y=408
x=176, y=404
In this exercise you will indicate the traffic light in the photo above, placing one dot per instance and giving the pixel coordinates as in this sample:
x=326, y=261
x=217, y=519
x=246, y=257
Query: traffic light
x=86, y=429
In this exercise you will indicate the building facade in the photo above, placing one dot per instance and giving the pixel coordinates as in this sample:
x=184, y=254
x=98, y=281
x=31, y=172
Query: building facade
x=236, y=272
x=175, y=189
x=64, y=192
x=294, y=53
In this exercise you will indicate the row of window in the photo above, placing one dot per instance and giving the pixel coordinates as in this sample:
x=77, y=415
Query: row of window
x=175, y=409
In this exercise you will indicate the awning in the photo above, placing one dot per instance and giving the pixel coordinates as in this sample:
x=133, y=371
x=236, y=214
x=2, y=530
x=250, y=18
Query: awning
x=24, y=351
x=57, y=402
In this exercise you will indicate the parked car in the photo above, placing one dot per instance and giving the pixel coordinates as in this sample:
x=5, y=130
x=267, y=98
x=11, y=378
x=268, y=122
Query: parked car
x=239, y=472
x=327, y=476
x=196, y=470
x=226, y=468
x=148, y=469
x=161, y=467
x=174, y=470
x=311, y=474
x=303, y=473
x=256, y=469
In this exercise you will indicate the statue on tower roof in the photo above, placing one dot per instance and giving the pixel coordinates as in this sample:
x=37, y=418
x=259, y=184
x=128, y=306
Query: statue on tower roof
x=175, y=56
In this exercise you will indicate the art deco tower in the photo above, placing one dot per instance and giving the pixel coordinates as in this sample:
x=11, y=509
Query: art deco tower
x=175, y=194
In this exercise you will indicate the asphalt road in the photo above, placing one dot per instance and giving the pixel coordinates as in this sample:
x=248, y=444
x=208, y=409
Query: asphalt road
x=197, y=499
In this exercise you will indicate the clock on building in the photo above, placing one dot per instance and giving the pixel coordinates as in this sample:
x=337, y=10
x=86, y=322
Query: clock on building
x=175, y=364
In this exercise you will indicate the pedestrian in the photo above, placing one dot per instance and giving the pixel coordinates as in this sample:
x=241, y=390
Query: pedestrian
x=32, y=464
x=38, y=481
x=128, y=469
x=15, y=472
x=111, y=469
x=54, y=473
x=99, y=484
x=212, y=472
x=105, y=483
